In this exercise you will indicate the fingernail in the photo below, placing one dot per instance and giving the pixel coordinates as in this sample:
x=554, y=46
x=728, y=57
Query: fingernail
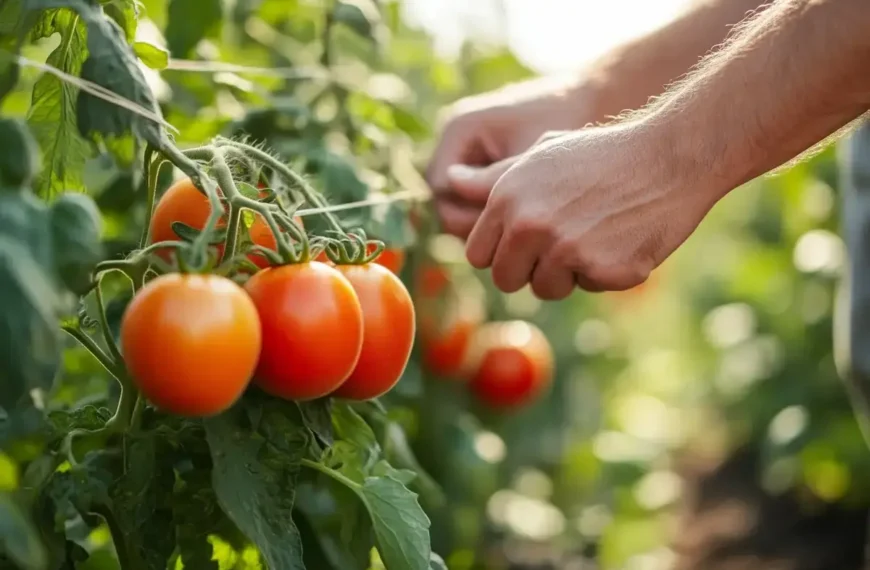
x=460, y=172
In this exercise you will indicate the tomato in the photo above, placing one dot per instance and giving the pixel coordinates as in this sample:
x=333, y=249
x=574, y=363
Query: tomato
x=389, y=325
x=182, y=202
x=444, y=348
x=312, y=325
x=431, y=280
x=511, y=364
x=191, y=342
x=391, y=258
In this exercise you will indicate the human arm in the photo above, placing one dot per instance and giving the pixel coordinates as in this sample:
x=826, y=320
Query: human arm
x=603, y=207
x=487, y=128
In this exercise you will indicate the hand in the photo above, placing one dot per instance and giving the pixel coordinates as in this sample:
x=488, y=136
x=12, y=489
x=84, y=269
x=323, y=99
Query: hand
x=597, y=208
x=488, y=128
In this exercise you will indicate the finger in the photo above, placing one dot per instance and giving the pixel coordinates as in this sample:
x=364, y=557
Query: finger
x=476, y=183
x=484, y=239
x=457, y=217
x=458, y=145
x=552, y=280
x=515, y=259
x=587, y=284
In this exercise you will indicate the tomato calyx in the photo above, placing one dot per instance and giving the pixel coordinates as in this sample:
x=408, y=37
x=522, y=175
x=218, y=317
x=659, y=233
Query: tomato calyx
x=352, y=248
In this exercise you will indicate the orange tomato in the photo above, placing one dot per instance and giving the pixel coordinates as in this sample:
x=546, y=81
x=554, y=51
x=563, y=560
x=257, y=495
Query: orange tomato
x=510, y=364
x=312, y=325
x=191, y=342
x=389, y=326
x=182, y=202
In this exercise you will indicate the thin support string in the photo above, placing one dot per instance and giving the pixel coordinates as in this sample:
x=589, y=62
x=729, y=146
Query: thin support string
x=404, y=195
x=96, y=90
x=193, y=66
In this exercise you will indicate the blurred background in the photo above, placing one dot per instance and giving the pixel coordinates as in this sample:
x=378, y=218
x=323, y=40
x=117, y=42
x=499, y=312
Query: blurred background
x=695, y=422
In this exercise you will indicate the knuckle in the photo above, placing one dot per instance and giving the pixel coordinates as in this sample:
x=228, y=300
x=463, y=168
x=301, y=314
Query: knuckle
x=550, y=291
x=528, y=226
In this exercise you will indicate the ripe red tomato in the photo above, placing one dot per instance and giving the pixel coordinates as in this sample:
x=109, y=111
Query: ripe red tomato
x=444, y=347
x=191, y=342
x=431, y=280
x=511, y=364
x=389, y=325
x=391, y=258
x=312, y=325
x=182, y=202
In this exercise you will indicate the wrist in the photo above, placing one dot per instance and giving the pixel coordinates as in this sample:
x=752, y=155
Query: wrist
x=696, y=153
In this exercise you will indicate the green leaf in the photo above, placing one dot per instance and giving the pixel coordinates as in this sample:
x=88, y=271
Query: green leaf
x=112, y=64
x=341, y=183
x=436, y=562
x=353, y=430
x=20, y=159
x=30, y=340
x=317, y=415
x=410, y=123
x=191, y=21
x=190, y=233
x=254, y=477
x=75, y=232
x=125, y=13
x=52, y=116
x=195, y=509
x=339, y=519
x=141, y=500
x=358, y=16
x=18, y=538
x=401, y=527
x=86, y=417
x=151, y=55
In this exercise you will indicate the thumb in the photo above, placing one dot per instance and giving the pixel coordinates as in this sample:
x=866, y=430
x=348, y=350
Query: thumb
x=476, y=182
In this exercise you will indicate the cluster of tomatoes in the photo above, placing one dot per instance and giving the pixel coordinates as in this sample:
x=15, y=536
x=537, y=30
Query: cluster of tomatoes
x=505, y=364
x=193, y=343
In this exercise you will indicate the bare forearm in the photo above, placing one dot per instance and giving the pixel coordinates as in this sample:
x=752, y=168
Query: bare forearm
x=793, y=76
x=627, y=77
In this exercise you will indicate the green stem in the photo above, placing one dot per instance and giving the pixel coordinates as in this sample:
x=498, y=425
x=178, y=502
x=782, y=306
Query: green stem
x=268, y=211
x=331, y=473
x=91, y=346
x=203, y=183
x=123, y=417
x=104, y=322
x=293, y=179
x=232, y=233
x=152, y=174
x=329, y=22
x=138, y=409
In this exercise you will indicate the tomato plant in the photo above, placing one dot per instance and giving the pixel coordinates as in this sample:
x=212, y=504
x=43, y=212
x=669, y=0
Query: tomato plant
x=131, y=426
x=389, y=327
x=511, y=364
x=203, y=328
x=312, y=329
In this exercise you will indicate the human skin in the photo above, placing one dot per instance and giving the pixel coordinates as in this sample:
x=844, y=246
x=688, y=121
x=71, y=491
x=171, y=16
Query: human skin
x=494, y=126
x=600, y=208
